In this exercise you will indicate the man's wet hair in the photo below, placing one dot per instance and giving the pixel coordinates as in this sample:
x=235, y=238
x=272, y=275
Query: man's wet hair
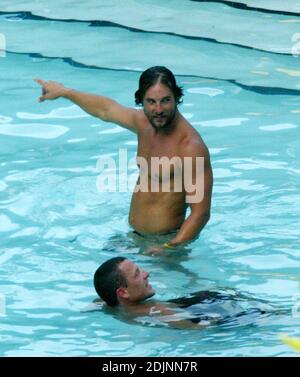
x=108, y=278
x=154, y=75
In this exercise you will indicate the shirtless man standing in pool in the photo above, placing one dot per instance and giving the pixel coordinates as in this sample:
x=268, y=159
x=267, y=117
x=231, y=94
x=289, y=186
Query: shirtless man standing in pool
x=162, y=132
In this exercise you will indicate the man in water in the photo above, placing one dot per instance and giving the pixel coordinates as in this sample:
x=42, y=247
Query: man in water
x=164, y=137
x=126, y=289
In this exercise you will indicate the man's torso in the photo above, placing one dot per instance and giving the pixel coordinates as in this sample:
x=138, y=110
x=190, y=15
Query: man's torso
x=158, y=202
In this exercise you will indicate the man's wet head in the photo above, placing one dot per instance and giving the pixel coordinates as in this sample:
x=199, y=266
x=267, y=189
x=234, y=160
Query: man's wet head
x=160, y=95
x=120, y=281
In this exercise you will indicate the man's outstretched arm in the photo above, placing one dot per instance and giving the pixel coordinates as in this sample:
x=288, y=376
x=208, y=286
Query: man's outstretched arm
x=101, y=107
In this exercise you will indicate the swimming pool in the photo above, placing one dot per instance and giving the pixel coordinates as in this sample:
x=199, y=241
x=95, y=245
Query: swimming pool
x=240, y=72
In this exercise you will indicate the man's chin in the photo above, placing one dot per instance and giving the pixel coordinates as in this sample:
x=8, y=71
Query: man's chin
x=160, y=126
x=151, y=294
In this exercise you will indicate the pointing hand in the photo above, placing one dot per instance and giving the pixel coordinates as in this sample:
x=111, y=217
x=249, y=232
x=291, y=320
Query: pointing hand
x=51, y=90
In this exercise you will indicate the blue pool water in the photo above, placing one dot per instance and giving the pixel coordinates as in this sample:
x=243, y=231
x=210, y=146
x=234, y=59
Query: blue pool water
x=239, y=67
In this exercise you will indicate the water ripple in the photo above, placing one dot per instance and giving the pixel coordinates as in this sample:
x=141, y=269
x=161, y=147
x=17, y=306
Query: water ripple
x=34, y=130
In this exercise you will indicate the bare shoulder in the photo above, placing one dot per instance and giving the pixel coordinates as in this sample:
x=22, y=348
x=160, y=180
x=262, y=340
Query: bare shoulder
x=193, y=145
x=140, y=120
x=145, y=309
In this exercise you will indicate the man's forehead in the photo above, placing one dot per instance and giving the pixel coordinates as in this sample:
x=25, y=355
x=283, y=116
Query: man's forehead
x=128, y=266
x=158, y=89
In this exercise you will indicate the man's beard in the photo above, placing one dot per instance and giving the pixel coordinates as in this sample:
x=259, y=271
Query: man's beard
x=163, y=122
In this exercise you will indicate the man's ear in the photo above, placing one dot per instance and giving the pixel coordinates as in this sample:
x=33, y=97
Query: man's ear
x=122, y=293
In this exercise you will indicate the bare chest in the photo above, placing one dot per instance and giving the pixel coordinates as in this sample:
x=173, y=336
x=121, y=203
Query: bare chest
x=159, y=159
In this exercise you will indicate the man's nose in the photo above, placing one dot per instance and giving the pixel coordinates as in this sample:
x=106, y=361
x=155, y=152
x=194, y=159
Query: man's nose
x=158, y=108
x=146, y=274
